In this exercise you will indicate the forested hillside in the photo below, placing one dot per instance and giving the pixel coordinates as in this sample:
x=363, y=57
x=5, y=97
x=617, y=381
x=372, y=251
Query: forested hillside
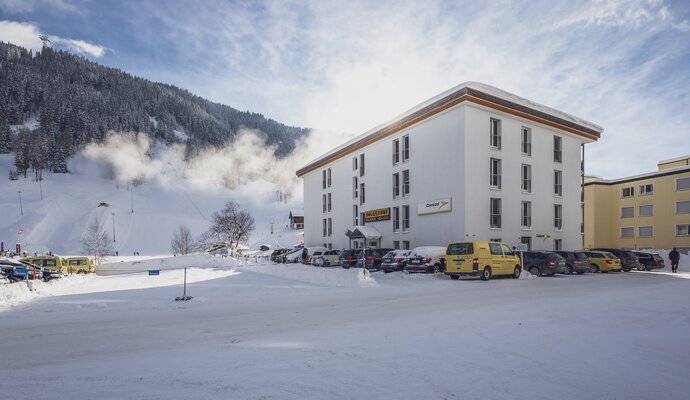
x=74, y=101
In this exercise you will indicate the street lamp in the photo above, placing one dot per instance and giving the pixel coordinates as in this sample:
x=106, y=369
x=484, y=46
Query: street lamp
x=113, y=226
x=21, y=209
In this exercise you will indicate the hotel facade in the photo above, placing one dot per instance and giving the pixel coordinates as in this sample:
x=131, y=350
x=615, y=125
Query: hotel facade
x=473, y=163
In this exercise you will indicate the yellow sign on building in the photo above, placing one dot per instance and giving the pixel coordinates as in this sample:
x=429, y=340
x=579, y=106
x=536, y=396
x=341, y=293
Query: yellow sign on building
x=381, y=214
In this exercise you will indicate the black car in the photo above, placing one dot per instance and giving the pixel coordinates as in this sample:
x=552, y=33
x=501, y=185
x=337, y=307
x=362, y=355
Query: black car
x=628, y=259
x=541, y=263
x=649, y=261
x=277, y=255
x=348, y=258
x=371, y=258
x=575, y=261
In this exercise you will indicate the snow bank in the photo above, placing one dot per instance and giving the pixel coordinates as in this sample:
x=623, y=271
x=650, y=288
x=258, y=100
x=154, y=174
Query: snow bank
x=329, y=277
x=202, y=260
x=21, y=292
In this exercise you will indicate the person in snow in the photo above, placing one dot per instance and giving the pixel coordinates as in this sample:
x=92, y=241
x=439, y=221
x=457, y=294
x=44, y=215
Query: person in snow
x=304, y=255
x=674, y=256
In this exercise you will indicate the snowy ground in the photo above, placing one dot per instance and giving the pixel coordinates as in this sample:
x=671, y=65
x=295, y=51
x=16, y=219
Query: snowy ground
x=298, y=332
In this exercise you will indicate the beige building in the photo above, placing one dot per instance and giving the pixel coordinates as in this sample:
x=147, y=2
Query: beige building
x=645, y=211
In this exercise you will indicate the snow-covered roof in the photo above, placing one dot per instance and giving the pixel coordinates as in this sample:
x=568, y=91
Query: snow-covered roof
x=669, y=171
x=296, y=213
x=480, y=93
x=367, y=232
x=670, y=160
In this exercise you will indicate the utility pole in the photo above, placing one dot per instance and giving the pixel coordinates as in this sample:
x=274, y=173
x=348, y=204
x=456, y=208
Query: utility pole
x=113, y=226
x=131, y=191
x=40, y=186
x=21, y=209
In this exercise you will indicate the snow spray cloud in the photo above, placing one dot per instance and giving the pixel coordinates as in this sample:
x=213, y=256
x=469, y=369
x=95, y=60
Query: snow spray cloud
x=248, y=165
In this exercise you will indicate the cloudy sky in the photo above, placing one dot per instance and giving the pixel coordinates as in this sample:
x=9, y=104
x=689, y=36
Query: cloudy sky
x=347, y=66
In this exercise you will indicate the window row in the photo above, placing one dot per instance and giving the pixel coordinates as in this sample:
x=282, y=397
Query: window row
x=405, y=149
x=495, y=214
x=326, y=178
x=645, y=190
x=647, y=210
x=358, y=164
x=405, y=245
x=495, y=134
x=405, y=184
x=405, y=211
x=327, y=227
x=496, y=179
x=327, y=202
x=358, y=190
x=628, y=232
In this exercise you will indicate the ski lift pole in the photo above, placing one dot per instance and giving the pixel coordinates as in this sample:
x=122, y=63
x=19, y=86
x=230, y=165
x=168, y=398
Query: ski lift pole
x=184, y=296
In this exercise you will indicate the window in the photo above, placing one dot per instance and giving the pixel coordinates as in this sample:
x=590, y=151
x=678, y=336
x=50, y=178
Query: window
x=396, y=151
x=558, y=183
x=355, y=214
x=526, y=240
x=557, y=216
x=558, y=244
x=406, y=244
x=361, y=165
x=627, y=212
x=354, y=163
x=495, y=249
x=355, y=186
x=396, y=244
x=646, y=211
x=526, y=178
x=396, y=185
x=323, y=173
x=628, y=191
x=682, y=207
x=646, y=189
x=325, y=202
x=645, y=231
x=683, y=230
x=495, y=135
x=325, y=227
x=405, y=218
x=329, y=177
x=362, y=221
x=628, y=232
x=329, y=203
x=406, y=148
x=361, y=193
x=683, y=183
x=330, y=226
x=526, y=220
x=495, y=173
x=396, y=219
x=557, y=149
x=495, y=213
x=406, y=182
x=526, y=141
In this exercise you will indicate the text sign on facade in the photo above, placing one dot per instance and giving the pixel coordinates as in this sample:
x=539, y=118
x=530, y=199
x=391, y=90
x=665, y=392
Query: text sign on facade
x=381, y=214
x=434, y=206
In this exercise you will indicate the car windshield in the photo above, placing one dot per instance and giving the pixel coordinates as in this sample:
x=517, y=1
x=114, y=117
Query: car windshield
x=390, y=254
x=456, y=249
x=580, y=256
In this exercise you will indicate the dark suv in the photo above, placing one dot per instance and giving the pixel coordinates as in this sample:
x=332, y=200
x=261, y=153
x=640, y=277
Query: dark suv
x=541, y=263
x=348, y=258
x=575, y=261
x=373, y=258
x=628, y=259
x=649, y=261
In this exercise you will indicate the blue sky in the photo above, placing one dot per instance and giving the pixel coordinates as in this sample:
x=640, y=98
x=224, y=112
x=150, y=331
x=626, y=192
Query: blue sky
x=348, y=66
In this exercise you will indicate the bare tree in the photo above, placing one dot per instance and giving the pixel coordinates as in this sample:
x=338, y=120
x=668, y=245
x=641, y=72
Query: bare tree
x=231, y=225
x=96, y=241
x=182, y=242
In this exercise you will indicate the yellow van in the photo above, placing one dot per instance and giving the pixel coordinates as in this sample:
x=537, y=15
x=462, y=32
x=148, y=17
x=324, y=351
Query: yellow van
x=54, y=263
x=78, y=265
x=481, y=258
x=603, y=261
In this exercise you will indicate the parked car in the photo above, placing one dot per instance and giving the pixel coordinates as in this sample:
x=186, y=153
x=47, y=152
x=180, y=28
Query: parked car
x=348, y=258
x=293, y=256
x=628, y=259
x=575, y=261
x=394, y=260
x=481, y=258
x=79, y=265
x=330, y=258
x=541, y=263
x=296, y=255
x=429, y=259
x=316, y=258
x=649, y=261
x=15, y=270
x=277, y=255
x=371, y=258
x=603, y=261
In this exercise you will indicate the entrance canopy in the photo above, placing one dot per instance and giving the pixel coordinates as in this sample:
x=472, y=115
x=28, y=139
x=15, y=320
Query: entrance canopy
x=365, y=232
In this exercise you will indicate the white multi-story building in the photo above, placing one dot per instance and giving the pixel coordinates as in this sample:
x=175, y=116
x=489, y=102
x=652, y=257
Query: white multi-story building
x=473, y=163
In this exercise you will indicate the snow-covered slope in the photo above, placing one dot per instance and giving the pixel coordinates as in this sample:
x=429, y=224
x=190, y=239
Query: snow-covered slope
x=71, y=202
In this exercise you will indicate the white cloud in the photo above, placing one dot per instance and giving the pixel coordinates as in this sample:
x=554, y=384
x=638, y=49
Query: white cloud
x=26, y=35
x=27, y=6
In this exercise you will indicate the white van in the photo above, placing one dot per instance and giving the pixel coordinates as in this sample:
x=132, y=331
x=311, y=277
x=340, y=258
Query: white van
x=429, y=259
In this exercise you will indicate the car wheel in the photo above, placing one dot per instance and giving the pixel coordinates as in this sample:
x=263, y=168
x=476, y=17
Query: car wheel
x=580, y=272
x=642, y=268
x=486, y=274
x=535, y=271
x=455, y=277
x=570, y=270
x=595, y=268
x=437, y=268
x=516, y=272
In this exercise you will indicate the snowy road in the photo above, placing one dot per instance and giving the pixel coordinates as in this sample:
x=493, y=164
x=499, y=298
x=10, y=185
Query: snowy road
x=257, y=335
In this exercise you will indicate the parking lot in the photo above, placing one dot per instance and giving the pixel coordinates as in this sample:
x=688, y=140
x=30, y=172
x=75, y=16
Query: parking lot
x=295, y=332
